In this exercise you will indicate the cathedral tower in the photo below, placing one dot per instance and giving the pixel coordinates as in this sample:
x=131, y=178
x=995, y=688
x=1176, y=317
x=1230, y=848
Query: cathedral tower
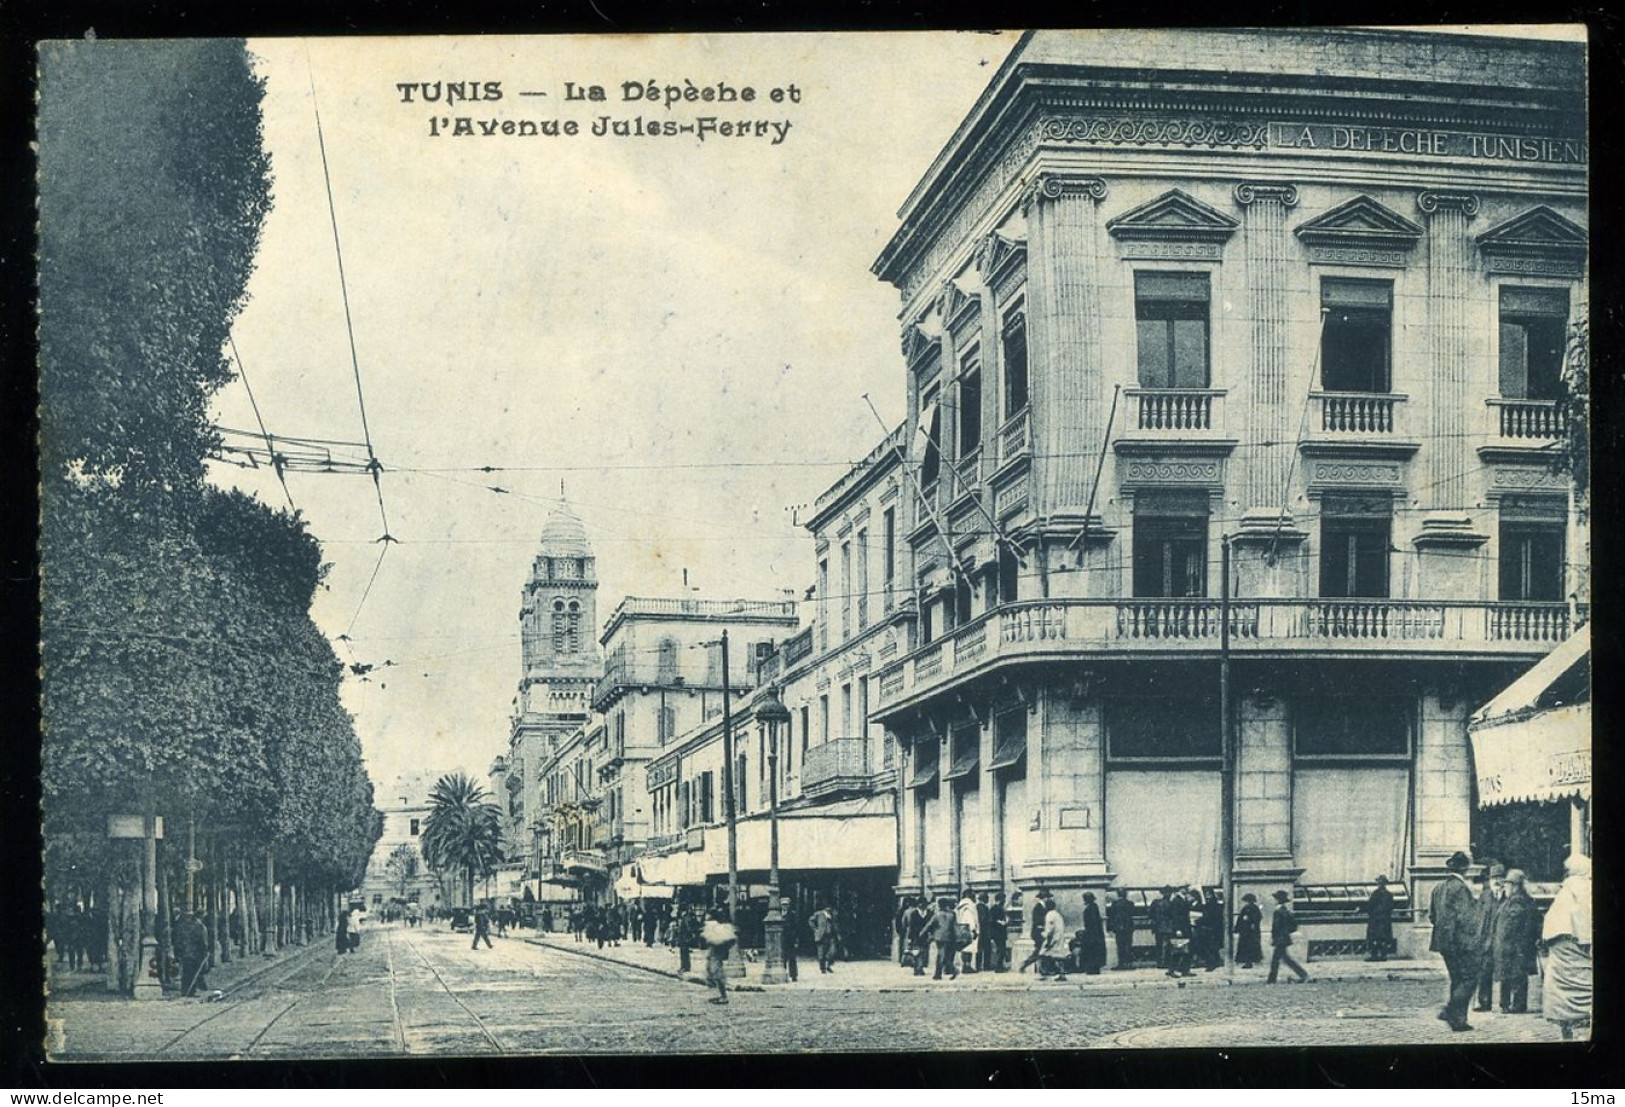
x=558, y=622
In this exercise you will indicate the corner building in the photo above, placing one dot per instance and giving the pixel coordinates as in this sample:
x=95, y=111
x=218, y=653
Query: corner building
x=1307, y=291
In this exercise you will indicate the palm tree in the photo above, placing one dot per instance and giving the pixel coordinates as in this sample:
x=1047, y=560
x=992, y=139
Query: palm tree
x=463, y=830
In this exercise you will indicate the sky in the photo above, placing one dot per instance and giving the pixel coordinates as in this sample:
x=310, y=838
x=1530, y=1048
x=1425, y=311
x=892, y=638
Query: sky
x=681, y=332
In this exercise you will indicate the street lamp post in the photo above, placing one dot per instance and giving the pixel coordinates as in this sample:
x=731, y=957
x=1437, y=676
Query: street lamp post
x=772, y=713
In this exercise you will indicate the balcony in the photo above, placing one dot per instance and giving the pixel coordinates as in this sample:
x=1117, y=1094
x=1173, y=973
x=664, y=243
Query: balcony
x=797, y=647
x=1526, y=421
x=1174, y=628
x=1015, y=438
x=583, y=861
x=1161, y=411
x=1365, y=414
x=839, y=765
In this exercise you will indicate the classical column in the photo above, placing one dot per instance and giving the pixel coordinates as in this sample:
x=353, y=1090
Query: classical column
x=1066, y=379
x=1265, y=409
x=1447, y=370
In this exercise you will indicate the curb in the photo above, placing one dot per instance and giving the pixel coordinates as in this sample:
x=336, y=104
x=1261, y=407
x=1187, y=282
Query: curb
x=686, y=978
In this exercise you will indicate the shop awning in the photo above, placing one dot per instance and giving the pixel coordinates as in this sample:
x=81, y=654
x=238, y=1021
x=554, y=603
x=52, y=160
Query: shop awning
x=851, y=834
x=1529, y=745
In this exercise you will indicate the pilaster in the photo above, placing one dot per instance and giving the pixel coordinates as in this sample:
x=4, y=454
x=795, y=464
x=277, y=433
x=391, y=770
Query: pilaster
x=1066, y=380
x=1448, y=371
x=1262, y=384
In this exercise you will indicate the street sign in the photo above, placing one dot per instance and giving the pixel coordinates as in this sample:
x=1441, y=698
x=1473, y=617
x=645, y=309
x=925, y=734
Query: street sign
x=134, y=826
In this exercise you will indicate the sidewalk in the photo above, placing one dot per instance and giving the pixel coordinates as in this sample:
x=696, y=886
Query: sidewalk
x=887, y=976
x=62, y=984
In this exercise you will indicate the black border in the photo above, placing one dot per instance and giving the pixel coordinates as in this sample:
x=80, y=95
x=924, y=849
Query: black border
x=1596, y=1066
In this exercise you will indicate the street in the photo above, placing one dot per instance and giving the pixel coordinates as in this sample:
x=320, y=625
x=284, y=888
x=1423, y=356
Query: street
x=425, y=992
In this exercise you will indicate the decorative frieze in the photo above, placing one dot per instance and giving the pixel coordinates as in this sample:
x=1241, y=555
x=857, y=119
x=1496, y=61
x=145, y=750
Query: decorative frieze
x=1360, y=232
x=1355, y=473
x=1143, y=471
x=1211, y=132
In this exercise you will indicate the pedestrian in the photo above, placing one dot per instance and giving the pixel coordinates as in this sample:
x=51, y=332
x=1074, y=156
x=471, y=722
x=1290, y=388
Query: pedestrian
x=1566, y=938
x=1515, y=935
x=1040, y=908
x=482, y=928
x=1379, y=922
x=1120, y=925
x=719, y=937
x=1283, y=924
x=984, y=934
x=1209, y=927
x=547, y=920
x=899, y=928
x=502, y=922
x=683, y=935
x=1052, y=943
x=1159, y=924
x=1489, y=905
x=941, y=933
x=822, y=925
x=95, y=938
x=998, y=926
x=651, y=921
x=1249, y=932
x=966, y=935
x=78, y=923
x=192, y=951
x=791, y=932
x=1454, y=914
x=1176, y=918
x=1092, y=954
x=634, y=920
x=919, y=940
x=341, y=936
x=357, y=920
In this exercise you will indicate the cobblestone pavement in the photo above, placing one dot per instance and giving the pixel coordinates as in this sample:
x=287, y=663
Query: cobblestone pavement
x=426, y=992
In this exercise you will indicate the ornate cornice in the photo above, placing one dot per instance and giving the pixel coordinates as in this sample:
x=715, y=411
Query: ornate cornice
x=998, y=255
x=1431, y=202
x=1054, y=186
x=1539, y=242
x=1248, y=193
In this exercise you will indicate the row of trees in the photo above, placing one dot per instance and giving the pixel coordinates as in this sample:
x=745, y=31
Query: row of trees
x=183, y=676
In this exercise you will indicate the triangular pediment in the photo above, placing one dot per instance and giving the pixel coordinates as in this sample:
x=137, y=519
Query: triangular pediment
x=997, y=253
x=1361, y=221
x=1536, y=229
x=1175, y=216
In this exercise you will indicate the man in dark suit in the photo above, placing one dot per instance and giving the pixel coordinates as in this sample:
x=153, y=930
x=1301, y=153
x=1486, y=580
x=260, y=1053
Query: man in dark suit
x=1120, y=922
x=1454, y=914
x=1489, y=906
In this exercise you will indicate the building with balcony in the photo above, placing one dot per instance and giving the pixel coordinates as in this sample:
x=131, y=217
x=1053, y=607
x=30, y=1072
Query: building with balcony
x=1296, y=301
x=835, y=770
x=405, y=808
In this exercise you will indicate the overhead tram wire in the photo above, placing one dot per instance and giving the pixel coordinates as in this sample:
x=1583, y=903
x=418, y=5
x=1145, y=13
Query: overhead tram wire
x=373, y=466
x=277, y=461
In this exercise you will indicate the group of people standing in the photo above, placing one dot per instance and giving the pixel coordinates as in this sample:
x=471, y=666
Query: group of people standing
x=611, y=923
x=79, y=936
x=969, y=936
x=1494, y=936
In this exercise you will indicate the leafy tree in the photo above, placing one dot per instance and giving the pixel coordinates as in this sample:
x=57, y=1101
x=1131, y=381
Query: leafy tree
x=1574, y=409
x=402, y=868
x=463, y=830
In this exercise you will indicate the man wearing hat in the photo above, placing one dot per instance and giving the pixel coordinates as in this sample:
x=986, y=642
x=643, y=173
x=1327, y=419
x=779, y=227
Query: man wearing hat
x=1282, y=924
x=1454, y=915
x=1490, y=897
x=1516, y=929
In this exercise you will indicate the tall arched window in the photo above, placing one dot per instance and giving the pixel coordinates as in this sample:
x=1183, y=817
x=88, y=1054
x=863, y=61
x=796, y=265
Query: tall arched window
x=560, y=627
x=573, y=628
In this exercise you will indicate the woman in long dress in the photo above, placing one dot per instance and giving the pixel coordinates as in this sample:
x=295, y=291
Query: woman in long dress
x=1092, y=955
x=1249, y=932
x=1566, y=937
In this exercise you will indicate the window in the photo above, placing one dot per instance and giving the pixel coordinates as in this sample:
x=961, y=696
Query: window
x=927, y=622
x=560, y=626
x=685, y=803
x=889, y=562
x=1532, y=549
x=1164, y=727
x=806, y=730
x=964, y=750
x=668, y=723
x=1009, y=574
x=1351, y=726
x=666, y=661
x=931, y=424
x=1171, y=317
x=1170, y=544
x=1354, y=545
x=860, y=584
x=970, y=408
x=416, y=828
x=823, y=718
x=740, y=781
x=846, y=591
x=1009, y=739
x=1534, y=324
x=823, y=603
x=862, y=721
x=846, y=711
x=1357, y=336
x=962, y=598
x=1015, y=361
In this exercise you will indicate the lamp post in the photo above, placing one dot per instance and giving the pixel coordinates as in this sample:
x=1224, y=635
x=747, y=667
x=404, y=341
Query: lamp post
x=772, y=713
